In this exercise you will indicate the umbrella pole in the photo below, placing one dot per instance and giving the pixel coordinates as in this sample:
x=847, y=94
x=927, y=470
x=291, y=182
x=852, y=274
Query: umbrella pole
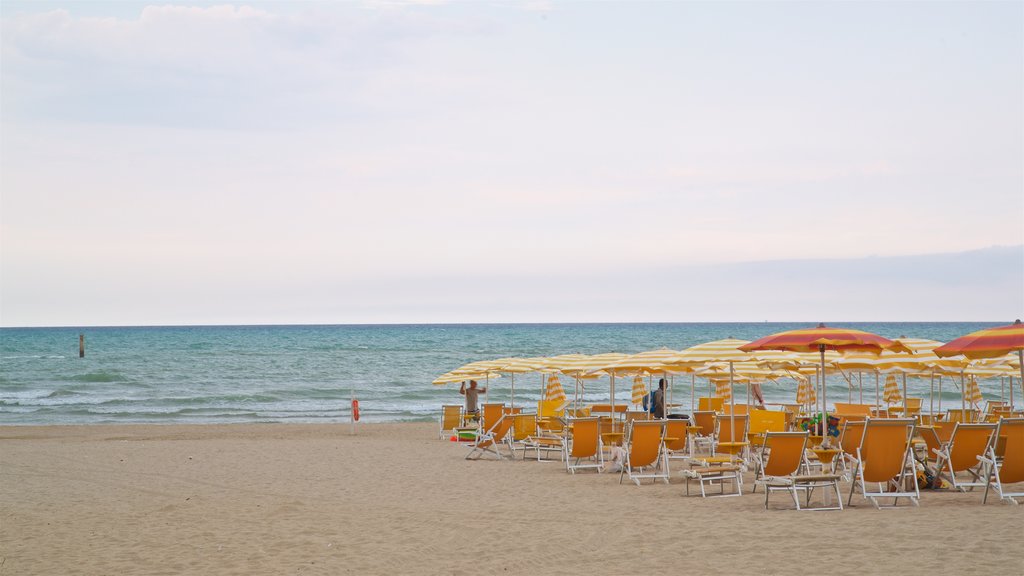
x=613, y=395
x=906, y=414
x=693, y=391
x=963, y=396
x=1020, y=358
x=876, y=389
x=931, y=394
x=940, y=393
x=732, y=403
x=824, y=401
x=860, y=387
x=513, y=385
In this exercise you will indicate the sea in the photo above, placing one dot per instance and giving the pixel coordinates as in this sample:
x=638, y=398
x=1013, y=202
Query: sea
x=225, y=374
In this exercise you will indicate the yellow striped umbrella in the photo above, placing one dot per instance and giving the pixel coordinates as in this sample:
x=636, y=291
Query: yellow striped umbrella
x=639, y=390
x=725, y=350
x=648, y=362
x=892, y=395
x=805, y=392
x=450, y=377
x=972, y=393
x=723, y=388
x=990, y=343
x=554, y=390
x=920, y=355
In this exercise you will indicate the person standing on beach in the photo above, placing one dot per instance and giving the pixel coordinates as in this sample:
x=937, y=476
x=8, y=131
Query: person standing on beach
x=658, y=400
x=472, y=394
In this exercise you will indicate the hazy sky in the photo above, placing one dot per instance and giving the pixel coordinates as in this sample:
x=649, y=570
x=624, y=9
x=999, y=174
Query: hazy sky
x=509, y=161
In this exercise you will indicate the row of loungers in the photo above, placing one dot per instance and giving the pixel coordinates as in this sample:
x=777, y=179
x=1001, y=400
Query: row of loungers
x=876, y=455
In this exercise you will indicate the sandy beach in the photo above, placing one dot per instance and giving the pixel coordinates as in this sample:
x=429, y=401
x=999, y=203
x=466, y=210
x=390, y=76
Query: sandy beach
x=312, y=499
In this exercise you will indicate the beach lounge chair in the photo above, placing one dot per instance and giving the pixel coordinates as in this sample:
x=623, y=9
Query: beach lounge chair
x=931, y=441
x=961, y=415
x=523, y=427
x=1008, y=467
x=704, y=421
x=732, y=434
x=762, y=421
x=710, y=404
x=779, y=466
x=847, y=411
x=849, y=440
x=551, y=416
x=632, y=415
x=643, y=447
x=489, y=415
x=944, y=430
x=738, y=409
x=584, y=444
x=964, y=452
x=490, y=440
x=677, y=436
x=528, y=435
x=884, y=458
x=451, y=420
x=716, y=474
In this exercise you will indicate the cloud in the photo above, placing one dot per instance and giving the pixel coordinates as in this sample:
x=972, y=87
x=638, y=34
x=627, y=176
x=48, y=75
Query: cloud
x=208, y=67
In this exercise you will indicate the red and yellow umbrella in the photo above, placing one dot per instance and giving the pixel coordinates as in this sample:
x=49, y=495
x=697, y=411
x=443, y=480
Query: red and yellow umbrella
x=989, y=343
x=819, y=340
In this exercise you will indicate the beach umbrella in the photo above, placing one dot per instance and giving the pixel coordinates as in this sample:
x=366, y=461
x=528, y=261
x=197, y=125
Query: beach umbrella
x=579, y=366
x=916, y=355
x=647, y=362
x=821, y=339
x=972, y=393
x=449, y=377
x=805, y=394
x=639, y=390
x=891, y=394
x=990, y=343
x=513, y=366
x=723, y=388
x=554, y=390
x=726, y=350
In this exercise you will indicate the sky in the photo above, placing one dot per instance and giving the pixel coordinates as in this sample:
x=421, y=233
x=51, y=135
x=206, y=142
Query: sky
x=393, y=162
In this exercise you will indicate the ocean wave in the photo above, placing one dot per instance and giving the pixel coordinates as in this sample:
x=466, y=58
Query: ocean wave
x=97, y=377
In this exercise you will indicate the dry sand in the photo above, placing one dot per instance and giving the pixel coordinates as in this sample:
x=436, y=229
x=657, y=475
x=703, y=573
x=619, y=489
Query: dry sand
x=310, y=499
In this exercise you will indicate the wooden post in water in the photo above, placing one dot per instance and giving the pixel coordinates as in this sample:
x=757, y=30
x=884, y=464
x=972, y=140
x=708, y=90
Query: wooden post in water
x=81, y=345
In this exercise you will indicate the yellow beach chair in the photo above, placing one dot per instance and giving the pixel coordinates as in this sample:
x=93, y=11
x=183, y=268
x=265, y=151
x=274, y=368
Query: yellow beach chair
x=677, y=445
x=643, y=442
x=451, y=420
x=849, y=440
x=931, y=441
x=960, y=415
x=529, y=435
x=1007, y=468
x=778, y=469
x=490, y=440
x=489, y=415
x=710, y=404
x=732, y=435
x=762, y=421
x=884, y=458
x=584, y=443
x=963, y=453
x=704, y=421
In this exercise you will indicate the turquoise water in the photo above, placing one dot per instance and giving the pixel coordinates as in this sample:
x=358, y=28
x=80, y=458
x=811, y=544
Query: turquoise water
x=206, y=374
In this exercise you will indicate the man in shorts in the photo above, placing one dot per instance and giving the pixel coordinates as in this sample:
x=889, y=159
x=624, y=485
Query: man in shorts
x=472, y=394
